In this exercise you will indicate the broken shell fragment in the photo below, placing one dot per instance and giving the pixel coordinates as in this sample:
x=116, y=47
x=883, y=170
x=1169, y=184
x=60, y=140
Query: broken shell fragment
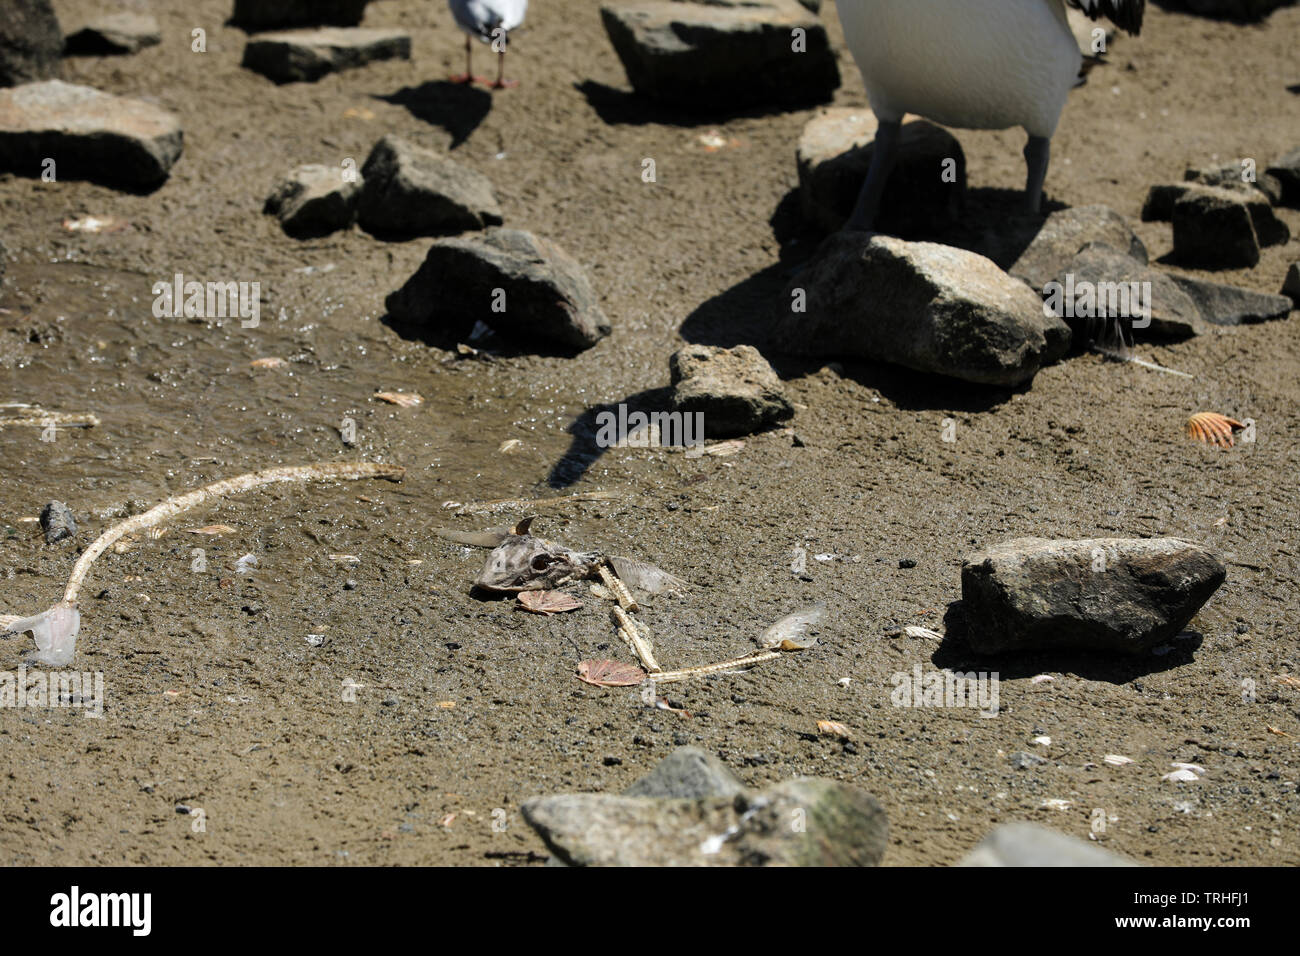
x=606, y=673
x=788, y=633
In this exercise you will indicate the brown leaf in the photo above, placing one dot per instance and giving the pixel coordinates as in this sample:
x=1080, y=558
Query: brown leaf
x=548, y=602
x=404, y=399
x=603, y=673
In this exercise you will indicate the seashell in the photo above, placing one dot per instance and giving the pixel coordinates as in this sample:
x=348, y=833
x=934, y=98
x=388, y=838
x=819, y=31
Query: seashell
x=788, y=633
x=1043, y=741
x=606, y=673
x=915, y=630
x=1056, y=804
x=510, y=445
x=1115, y=760
x=1190, y=767
x=1213, y=428
x=211, y=529
x=1180, y=776
x=403, y=399
x=1043, y=679
x=548, y=602
x=833, y=728
x=271, y=361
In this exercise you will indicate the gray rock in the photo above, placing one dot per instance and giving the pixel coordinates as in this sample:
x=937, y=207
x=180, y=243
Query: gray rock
x=1023, y=761
x=31, y=43
x=57, y=522
x=1229, y=305
x=687, y=773
x=1291, y=285
x=1174, y=314
x=116, y=33
x=525, y=288
x=734, y=389
x=835, y=153
x=699, y=57
x=414, y=191
x=90, y=135
x=841, y=826
x=303, y=56
x=1066, y=232
x=1104, y=594
x=1230, y=176
x=1287, y=172
x=1027, y=844
x=254, y=15
x=921, y=305
x=1159, y=204
x=314, y=200
x=1214, y=228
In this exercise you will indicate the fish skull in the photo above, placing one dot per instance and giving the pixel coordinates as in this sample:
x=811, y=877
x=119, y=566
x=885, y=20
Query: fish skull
x=525, y=563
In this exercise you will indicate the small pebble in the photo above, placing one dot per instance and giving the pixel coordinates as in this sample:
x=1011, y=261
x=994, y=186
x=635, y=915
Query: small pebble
x=57, y=521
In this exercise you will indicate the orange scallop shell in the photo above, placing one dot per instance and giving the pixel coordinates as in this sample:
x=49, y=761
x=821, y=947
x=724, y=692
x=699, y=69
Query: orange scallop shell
x=1213, y=428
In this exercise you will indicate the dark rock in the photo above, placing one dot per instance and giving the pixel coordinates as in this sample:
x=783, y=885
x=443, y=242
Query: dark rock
x=921, y=305
x=1173, y=313
x=1066, y=232
x=314, y=200
x=735, y=389
x=835, y=153
x=31, y=43
x=1232, y=176
x=1027, y=844
x=705, y=57
x=303, y=56
x=1243, y=10
x=1287, y=172
x=90, y=135
x=116, y=33
x=254, y=15
x=1229, y=305
x=1215, y=228
x=523, y=287
x=57, y=522
x=1105, y=594
x=1290, y=286
x=413, y=191
x=838, y=825
x=687, y=773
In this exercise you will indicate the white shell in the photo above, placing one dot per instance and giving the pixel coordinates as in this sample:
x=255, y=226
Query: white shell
x=1116, y=760
x=1180, y=776
x=915, y=630
x=1043, y=741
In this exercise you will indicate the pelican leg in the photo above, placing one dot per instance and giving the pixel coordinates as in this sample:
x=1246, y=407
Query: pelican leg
x=1038, y=154
x=883, y=158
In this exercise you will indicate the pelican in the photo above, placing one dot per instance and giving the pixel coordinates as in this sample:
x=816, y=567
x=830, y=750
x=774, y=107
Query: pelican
x=482, y=19
x=972, y=64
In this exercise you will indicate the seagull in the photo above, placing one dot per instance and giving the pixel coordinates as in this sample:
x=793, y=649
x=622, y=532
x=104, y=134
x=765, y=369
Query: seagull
x=483, y=19
x=969, y=64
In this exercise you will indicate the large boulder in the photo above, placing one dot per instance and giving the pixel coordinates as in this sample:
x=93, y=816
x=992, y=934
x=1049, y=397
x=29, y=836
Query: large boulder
x=90, y=135
x=1229, y=305
x=1104, y=594
x=923, y=194
x=734, y=389
x=414, y=191
x=31, y=43
x=1067, y=231
x=527, y=289
x=1104, y=270
x=254, y=15
x=703, y=57
x=303, y=56
x=921, y=305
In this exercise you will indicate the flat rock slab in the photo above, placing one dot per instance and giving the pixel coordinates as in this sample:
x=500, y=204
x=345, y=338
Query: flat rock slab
x=1229, y=305
x=414, y=191
x=1103, y=594
x=314, y=200
x=704, y=57
x=255, y=15
x=835, y=154
x=1027, y=844
x=1067, y=231
x=302, y=56
x=525, y=288
x=90, y=135
x=1235, y=175
x=31, y=42
x=688, y=773
x=842, y=826
x=1114, y=279
x=921, y=305
x=734, y=389
x=115, y=34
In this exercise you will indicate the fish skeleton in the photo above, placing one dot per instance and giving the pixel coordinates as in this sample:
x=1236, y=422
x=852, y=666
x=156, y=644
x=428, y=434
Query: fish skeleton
x=521, y=561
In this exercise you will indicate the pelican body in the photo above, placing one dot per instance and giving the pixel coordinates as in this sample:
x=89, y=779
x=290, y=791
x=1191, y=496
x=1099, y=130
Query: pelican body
x=970, y=64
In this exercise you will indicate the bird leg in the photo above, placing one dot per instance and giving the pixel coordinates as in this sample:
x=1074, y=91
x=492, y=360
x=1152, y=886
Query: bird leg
x=501, y=82
x=468, y=76
x=1038, y=153
x=883, y=157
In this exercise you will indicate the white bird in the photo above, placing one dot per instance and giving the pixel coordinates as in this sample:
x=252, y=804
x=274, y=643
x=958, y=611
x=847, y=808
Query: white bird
x=491, y=21
x=972, y=64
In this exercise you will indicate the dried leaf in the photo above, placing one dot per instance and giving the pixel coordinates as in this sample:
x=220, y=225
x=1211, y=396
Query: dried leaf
x=833, y=728
x=548, y=602
x=212, y=529
x=606, y=673
x=404, y=399
x=788, y=633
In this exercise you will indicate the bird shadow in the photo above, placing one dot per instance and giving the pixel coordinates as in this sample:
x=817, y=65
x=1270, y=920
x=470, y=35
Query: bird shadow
x=457, y=108
x=956, y=654
x=584, y=447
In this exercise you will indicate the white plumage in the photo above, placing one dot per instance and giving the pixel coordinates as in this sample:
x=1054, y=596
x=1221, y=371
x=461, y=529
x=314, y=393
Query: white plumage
x=972, y=64
x=483, y=19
